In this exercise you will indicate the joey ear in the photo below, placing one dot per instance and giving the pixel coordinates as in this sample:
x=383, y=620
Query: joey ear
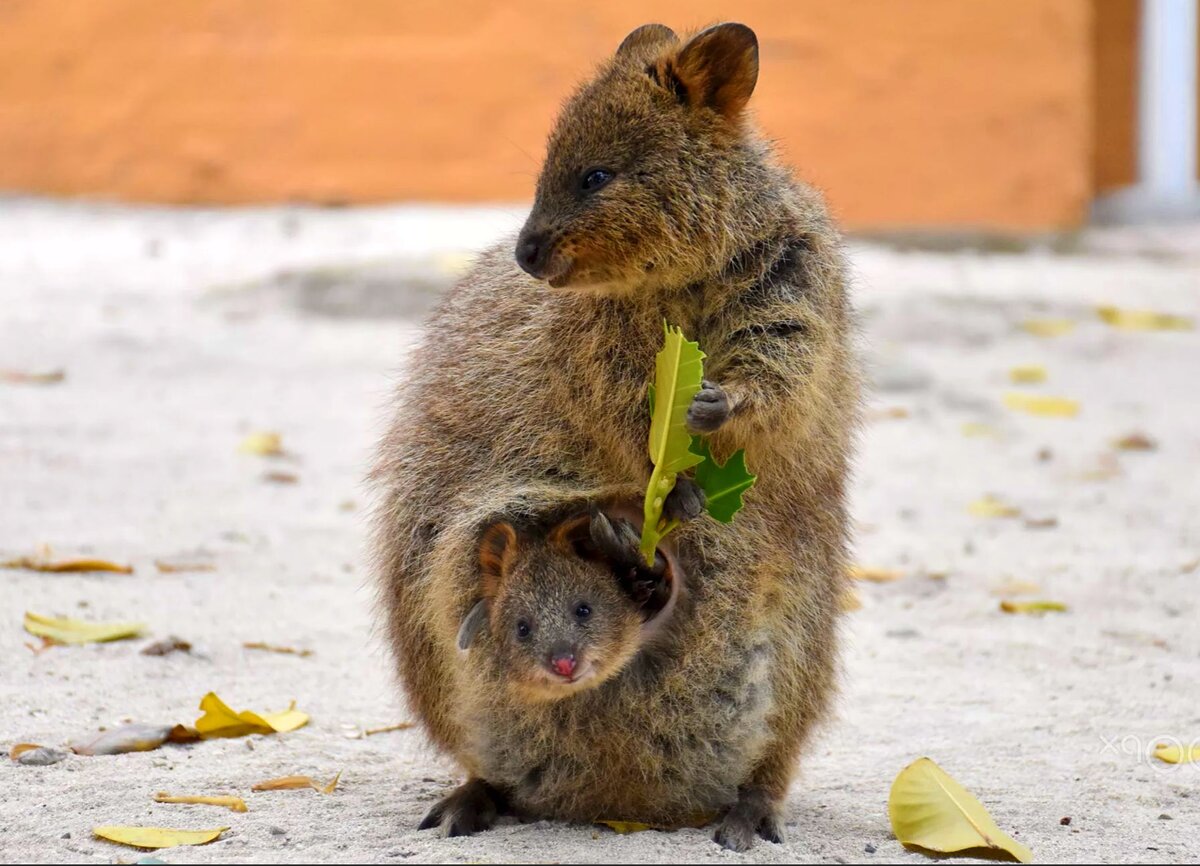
x=471, y=624
x=645, y=39
x=571, y=535
x=718, y=68
x=496, y=552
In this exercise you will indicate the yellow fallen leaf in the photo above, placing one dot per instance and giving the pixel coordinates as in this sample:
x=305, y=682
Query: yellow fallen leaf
x=1177, y=753
x=1048, y=327
x=402, y=726
x=1143, y=320
x=1036, y=404
x=220, y=721
x=1029, y=374
x=974, y=428
x=235, y=804
x=78, y=631
x=624, y=827
x=875, y=575
x=265, y=444
x=1135, y=442
x=20, y=749
x=26, y=377
x=292, y=783
x=35, y=563
x=850, y=601
x=930, y=810
x=990, y=506
x=273, y=648
x=157, y=837
x=1033, y=607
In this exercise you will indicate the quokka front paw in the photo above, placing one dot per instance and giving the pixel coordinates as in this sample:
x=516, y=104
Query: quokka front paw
x=754, y=814
x=685, y=502
x=470, y=808
x=709, y=410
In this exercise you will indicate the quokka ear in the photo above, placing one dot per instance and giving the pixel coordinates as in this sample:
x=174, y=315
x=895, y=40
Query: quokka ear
x=475, y=620
x=496, y=552
x=647, y=39
x=572, y=535
x=717, y=69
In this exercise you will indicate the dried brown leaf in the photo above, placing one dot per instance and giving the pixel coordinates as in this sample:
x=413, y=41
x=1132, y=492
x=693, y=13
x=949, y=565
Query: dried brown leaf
x=274, y=648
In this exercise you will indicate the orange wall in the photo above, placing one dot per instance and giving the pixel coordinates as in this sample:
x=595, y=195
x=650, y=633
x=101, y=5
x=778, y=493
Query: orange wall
x=1114, y=116
x=909, y=112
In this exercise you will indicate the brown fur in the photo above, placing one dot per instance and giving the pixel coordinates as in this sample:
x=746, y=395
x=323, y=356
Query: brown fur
x=525, y=399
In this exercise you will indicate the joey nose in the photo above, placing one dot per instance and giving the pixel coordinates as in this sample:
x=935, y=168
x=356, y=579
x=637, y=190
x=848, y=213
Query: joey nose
x=532, y=251
x=563, y=664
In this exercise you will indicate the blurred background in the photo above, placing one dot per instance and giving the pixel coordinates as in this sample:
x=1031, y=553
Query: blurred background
x=1006, y=115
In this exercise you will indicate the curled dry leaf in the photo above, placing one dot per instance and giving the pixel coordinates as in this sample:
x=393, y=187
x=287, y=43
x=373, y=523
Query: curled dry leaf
x=293, y=783
x=1041, y=522
x=28, y=377
x=400, y=726
x=1048, y=327
x=133, y=738
x=875, y=575
x=1027, y=374
x=990, y=506
x=929, y=810
x=1135, y=442
x=1036, y=404
x=1178, y=753
x=166, y=567
x=1033, y=607
x=20, y=749
x=274, y=648
x=40, y=563
x=220, y=721
x=1143, y=320
x=234, y=804
x=157, y=837
x=76, y=631
x=30, y=755
x=263, y=444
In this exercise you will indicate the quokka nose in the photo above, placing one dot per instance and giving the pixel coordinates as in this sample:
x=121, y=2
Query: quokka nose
x=531, y=254
x=564, y=665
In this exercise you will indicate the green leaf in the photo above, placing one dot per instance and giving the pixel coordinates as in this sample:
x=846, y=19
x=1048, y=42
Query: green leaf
x=723, y=485
x=678, y=372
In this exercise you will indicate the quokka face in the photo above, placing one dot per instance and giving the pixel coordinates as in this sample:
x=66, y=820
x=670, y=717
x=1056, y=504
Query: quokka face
x=634, y=188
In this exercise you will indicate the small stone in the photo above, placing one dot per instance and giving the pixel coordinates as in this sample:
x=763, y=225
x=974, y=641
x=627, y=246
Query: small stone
x=1066, y=822
x=1165, y=817
x=870, y=849
x=902, y=633
x=250, y=745
x=167, y=645
x=277, y=831
x=66, y=835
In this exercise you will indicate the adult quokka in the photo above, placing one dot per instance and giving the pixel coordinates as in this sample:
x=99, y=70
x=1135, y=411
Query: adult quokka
x=657, y=201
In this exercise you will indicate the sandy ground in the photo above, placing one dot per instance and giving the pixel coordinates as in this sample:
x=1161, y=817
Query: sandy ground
x=182, y=332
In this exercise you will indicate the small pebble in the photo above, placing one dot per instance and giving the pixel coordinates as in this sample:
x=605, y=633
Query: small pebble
x=1165, y=817
x=66, y=835
x=277, y=831
x=870, y=849
x=1066, y=822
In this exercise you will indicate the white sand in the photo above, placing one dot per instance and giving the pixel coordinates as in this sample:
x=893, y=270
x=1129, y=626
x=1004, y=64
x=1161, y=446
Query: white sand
x=134, y=457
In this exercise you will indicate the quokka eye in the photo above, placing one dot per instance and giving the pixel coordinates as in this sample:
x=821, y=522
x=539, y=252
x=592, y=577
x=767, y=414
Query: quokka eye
x=582, y=611
x=523, y=630
x=594, y=178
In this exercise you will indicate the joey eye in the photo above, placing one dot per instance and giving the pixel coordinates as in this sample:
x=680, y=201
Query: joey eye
x=594, y=178
x=582, y=611
x=523, y=629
